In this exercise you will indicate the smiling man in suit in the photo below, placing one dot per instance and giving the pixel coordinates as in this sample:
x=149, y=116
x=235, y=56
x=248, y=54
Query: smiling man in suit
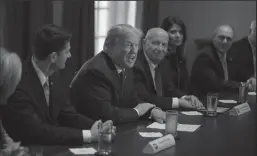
x=37, y=113
x=148, y=79
x=103, y=88
x=209, y=71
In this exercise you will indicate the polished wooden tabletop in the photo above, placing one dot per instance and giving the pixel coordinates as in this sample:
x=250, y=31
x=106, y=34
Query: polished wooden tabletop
x=224, y=135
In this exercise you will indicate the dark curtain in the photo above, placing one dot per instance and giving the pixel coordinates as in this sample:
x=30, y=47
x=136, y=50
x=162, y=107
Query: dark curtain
x=78, y=17
x=150, y=14
x=23, y=17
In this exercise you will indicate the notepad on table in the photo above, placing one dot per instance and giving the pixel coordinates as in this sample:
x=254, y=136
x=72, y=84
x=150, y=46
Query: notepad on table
x=150, y=134
x=227, y=101
x=221, y=109
x=83, y=150
x=181, y=127
x=191, y=113
x=251, y=93
x=187, y=127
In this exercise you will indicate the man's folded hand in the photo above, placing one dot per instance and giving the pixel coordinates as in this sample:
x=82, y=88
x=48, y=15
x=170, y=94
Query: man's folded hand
x=158, y=115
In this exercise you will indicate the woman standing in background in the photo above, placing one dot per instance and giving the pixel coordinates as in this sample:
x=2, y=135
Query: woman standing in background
x=174, y=65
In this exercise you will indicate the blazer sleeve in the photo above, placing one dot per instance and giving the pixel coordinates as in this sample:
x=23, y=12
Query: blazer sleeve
x=94, y=98
x=22, y=123
x=140, y=85
x=206, y=78
x=169, y=88
x=69, y=117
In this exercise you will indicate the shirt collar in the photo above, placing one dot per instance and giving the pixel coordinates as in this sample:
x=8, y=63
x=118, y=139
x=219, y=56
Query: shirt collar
x=150, y=63
x=118, y=69
x=39, y=72
x=221, y=55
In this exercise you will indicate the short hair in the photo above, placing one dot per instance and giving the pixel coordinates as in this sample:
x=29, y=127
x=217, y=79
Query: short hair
x=10, y=73
x=50, y=38
x=152, y=32
x=169, y=21
x=222, y=25
x=118, y=31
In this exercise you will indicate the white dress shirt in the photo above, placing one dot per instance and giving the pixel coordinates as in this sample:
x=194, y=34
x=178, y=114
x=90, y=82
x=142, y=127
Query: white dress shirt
x=152, y=66
x=44, y=81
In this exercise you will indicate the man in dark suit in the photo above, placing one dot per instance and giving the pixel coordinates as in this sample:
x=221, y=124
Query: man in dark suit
x=103, y=88
x=209, y=71
x=147, y=74
x=37, y=112
x=243, y=55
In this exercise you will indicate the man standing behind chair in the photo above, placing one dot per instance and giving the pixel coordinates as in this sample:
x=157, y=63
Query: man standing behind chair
x=37, y=114
x=147, y=73
x=209, y=71
x=243, y=55
x=103, y=87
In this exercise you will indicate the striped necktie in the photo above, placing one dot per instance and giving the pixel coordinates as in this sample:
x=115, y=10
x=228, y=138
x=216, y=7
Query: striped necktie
x=46, y=91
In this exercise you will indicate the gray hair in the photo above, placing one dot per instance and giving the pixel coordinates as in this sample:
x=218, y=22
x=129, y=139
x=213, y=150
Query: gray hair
x=10, y=73
x=222, y=26
x=118, y=31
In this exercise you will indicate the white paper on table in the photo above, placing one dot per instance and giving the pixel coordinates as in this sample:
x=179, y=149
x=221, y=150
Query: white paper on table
x=228, y=101
x=251, y=93
x=191, y=113
x=150, y=134
x=156, y=125
x=83, y=150
x=187, y=127
x=221, y=109
x=181, y=127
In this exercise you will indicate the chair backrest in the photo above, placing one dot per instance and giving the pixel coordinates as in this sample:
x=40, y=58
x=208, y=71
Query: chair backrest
x=78, y=73
x=193, y=50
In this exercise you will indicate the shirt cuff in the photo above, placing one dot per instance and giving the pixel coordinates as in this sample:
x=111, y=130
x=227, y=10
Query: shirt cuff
x=136, y=111
x=87, y=136
x=175, y=103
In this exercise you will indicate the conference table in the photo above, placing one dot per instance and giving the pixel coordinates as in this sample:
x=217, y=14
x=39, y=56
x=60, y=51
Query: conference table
x=224, y=135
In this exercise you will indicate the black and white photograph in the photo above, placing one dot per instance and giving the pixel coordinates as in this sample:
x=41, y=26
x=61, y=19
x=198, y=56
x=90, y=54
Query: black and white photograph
x=128, y=78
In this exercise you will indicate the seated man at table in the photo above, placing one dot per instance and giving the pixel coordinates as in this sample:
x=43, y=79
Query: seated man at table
x=103, y=87
x=148, y=79
x=36, y=114
x=209, y=71
x=243, y=58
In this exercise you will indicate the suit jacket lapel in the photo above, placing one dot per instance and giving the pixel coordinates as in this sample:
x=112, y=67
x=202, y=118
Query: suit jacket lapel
x=217, y=60
x=113, y=76
x=35, y=88
x=146, y=70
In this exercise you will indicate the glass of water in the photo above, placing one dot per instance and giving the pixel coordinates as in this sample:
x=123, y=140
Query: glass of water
x=105, y=141
x=171, y=122
x=243, y=91
x=212, y=102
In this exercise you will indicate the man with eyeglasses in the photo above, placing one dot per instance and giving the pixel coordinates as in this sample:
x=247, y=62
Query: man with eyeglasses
x=210, y=71
x=103, y=87
x=148, y=78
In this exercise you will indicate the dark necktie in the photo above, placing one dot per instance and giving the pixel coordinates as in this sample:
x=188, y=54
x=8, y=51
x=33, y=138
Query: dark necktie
x=121, y=78
x=47, y=91
x=158, y=81
x=224, y=65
